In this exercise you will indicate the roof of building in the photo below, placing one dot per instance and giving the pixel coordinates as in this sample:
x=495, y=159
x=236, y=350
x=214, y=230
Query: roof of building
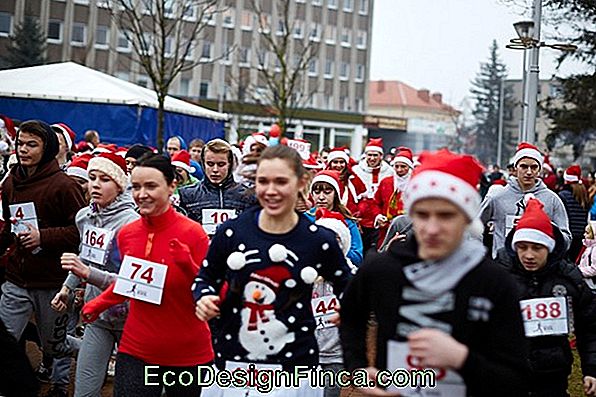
x=398, y=94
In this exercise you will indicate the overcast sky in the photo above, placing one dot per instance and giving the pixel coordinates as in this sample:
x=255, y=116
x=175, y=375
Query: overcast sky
x=439, y=44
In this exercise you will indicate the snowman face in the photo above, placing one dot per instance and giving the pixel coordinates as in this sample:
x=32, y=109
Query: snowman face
x=259, y=293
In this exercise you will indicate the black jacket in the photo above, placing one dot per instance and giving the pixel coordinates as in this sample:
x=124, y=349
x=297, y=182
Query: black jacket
x=496, y=364
x=550, y=356
x=578, y=216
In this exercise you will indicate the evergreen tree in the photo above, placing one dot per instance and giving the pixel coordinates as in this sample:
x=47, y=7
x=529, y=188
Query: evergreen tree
x=486, y=91
x=27, y=45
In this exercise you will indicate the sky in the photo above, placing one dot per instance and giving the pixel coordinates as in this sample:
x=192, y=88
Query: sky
x=439, y=44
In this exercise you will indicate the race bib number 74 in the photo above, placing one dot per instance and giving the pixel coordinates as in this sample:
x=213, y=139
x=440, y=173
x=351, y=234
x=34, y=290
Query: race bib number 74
x=141, y=279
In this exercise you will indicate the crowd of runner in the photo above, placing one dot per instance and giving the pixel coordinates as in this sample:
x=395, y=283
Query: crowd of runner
x=254, y=257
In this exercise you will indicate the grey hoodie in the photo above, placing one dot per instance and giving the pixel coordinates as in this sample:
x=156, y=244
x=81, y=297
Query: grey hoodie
x=508, y=205
x=119, y=213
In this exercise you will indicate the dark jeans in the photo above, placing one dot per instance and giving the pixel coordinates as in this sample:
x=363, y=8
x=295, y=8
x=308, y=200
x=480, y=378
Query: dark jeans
x=130, y=379
x=370, y=237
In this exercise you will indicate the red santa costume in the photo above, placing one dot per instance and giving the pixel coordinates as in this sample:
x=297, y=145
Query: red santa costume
x=351, y=186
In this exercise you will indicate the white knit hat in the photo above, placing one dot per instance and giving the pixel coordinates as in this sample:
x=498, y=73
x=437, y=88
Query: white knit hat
x=112, y=165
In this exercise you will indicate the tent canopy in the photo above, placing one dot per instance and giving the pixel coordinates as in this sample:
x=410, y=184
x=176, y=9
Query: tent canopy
x=83, y=98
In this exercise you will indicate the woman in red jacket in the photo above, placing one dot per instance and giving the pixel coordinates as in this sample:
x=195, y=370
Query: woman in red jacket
x=162, y=341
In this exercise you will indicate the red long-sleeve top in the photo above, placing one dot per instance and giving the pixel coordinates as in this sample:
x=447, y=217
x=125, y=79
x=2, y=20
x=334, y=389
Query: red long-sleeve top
x=169, y=333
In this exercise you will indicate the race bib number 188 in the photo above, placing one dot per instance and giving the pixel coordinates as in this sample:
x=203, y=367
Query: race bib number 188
x=545, y=316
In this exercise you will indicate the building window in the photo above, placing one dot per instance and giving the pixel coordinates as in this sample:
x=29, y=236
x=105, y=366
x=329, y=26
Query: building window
x=190, y=55
x=262, y=57
x=359, y=73
x=54, y=31
x=147, y=6
x=361, y=39
x=143, y=81
x=228, y=18
x=330, y=34
x=313, y=67
x=123, y=44
x=123, y=75
x=359, y=105
x=146, y=46
x=189, y=13
x=104, y=4
x=5, y=24
x=317, y=2
x=298, y=29
x=265, y=23
x=79, y=34
x=363, y=9
x=348, y=5
x=244, y=56
x=226, y=57
x=281, y=28
x=315, y=32
x=329, y=66
x=206, y=51
x=168, y=8
x=102, y=36
x=209, y=14
x=332, y=4
x=344, y=71
x=184, y=87
x=169, y=47
x=346, y=37
x=204, y=89
x=247, y=20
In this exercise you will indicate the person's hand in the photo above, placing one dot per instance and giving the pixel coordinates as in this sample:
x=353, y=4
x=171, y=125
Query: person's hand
x=90, y=311
x=437, y=349
x=207, y=307
x=31, y=238
x=74, y=264
x=180, y=252
x=380, y=221
x=376, y=390
x=335, y=318
x=60, y=301
x=590, y=386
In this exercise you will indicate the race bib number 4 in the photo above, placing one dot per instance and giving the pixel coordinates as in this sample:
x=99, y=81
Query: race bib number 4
x=95, y=244
x=141, y=279
x=448, y=383
x=545, y=316
x=323, y=308
x=214, y=217
x=23, y=214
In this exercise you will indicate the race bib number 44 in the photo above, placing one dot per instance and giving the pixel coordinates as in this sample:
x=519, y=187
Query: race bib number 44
x=323, y=308
x=214, y=217
x=95, y=244
x=545, y=316
x=23, y=214
x=141, y=279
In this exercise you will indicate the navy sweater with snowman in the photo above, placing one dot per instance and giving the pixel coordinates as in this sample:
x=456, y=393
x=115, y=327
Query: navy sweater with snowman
x=266, y=314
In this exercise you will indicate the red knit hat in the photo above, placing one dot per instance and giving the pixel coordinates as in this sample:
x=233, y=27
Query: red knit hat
x=68, y=134
x=335, y=221
x=112, y=165
x=534, y=226
x=374, y=144
x=78, y=166
x=182, y=159
x=448, y=176
x=404, y=155
x=328, y=176
x=312, y=163
x=338, y=153
x=573, y=174
x=528, y=150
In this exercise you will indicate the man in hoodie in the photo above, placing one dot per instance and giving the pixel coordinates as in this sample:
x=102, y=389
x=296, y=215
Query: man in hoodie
x=507, y=207
x=41, y=201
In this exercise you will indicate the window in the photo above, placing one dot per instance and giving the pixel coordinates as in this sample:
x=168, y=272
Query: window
x=228, y=18
x=348, y=5
x=298, y=29
x=5, y=24
x=168, y=8
x=346, y=37
x=330, y=34
x=104, y=4
x=54, y=31
x=184, y=87
x=313, y=67
x=209, y=14
x=361, y=39
x=329, y=66
x=190, y=55
x=169, y=47
x=359, y=105
x=244, y=56
x=189, y=12
x=316, y=2
x=147, y=6
x=281, y=28
x=79, y=34
x=83, y=2
x=206, y=51
x=328, y=104
x=261, y=95
x=344, y=71
x=122, y=75
x=247, y=20
x=102, y=36
x=363, y=9
x=146, y=46
x=204, y=89
x=332, y=4
x=123, y=44
x=143, y=81
x=226, y=57
x=315, y=32
x=262, y=57
x=265, y=23
x=359, y=73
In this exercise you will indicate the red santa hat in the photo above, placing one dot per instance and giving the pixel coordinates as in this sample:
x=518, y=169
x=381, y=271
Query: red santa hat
x=528, y=150
x=573, y=174
x=272, y=276
x=68, y=134
x=257, y=137
x=312, y=163
x=404, y=155
x=338, y=153
x=337, y=223
x=534, y=226
x=112, y=165
x=449, y=176
x=105, y=148
x=374, y=144
x=8, y=124
x=78, y=166
x=328, y=176
x=182, y=159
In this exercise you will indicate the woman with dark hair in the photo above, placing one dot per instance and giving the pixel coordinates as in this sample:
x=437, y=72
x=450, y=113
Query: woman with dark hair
x=270, y=256
x=161, y=256
x=577, y=204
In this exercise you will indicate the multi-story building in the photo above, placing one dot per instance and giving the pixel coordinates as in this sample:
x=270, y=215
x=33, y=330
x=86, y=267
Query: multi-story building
x=84, y=31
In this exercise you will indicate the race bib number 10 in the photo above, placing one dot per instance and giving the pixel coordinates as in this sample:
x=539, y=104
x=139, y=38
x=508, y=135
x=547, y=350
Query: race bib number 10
x=214, y=217
x=141, y=279
x=23, y=214
x=545, y=316
x=95, y=244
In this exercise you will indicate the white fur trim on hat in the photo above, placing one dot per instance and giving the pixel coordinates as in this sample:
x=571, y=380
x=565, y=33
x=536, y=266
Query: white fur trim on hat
x=373, y=148
x=570, y=178
x=530, y=153
x=437, y=184
x=341, y=229
x=337, y=154
x=109, y=168
x=184, y=166
x=533, y=236
x=78, y=172
x=402, y=159
x=327, y=179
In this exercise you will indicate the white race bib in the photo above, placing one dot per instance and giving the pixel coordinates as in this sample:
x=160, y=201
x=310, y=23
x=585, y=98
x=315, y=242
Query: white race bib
x=511, y=222
x=141, y=279
x=95, y=244
x=545, y=316
x=23, y=213
x=212, y=217
x=246, y=391
x=323, y=308
x=448, y=383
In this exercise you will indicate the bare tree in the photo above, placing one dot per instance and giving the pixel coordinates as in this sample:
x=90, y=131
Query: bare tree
x=163, y=35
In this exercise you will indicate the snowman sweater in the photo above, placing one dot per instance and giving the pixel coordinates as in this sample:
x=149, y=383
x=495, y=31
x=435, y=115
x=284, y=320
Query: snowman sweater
x=266, y=315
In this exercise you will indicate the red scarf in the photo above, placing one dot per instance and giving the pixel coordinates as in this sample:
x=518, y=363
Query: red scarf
x=257, y=310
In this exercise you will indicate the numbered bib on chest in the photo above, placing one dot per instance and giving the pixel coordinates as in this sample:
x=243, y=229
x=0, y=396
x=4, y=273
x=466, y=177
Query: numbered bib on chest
x=23, y=214
x=141, y=279
x=448, y=383
x=95, y=244
x=212, y=217
x=323, y=308
x=545, y=316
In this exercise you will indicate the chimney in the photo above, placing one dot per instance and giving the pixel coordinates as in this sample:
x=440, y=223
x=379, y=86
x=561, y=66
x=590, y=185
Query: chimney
x=438, y=97
x=424, y=94
x=380, y=86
